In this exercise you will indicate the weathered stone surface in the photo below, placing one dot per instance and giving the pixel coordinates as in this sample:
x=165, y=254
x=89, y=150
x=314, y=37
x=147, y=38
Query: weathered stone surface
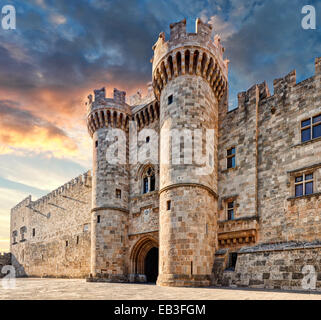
x=106, y=224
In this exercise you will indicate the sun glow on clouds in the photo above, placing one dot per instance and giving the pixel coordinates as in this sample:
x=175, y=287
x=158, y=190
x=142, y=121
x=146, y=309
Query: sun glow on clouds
x=58, y=19
x=22, y=130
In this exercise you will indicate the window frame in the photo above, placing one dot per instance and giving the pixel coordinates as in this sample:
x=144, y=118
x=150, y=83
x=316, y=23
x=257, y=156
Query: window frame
x=303, y=182
x=229, y=209
x=231, y=156
x=14, y=236
x=148, y=176
x=310, y=127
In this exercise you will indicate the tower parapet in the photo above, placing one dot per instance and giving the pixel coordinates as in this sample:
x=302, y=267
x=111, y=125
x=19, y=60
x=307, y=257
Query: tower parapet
x=107, y=112
x=190, y=53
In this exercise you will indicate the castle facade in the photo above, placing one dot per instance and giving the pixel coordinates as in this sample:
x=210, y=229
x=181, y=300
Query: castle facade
x=199, y=195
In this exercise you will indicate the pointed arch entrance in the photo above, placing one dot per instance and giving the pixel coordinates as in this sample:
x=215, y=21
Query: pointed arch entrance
x=144, y=259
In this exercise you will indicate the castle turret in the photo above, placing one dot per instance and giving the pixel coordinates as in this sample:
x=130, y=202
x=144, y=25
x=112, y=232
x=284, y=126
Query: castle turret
x=108, y=122
x=189, y=80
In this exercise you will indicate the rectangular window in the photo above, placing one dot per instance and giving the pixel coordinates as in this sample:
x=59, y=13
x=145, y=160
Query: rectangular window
x=98, y=219
x=316, y=127
x=118, y=193
x=231, y=158
x=230, y=210
x=33, y=232
x=86, y=227
x=170, y=99
x=96, y=143
x=168, y=205
x=304, y=185
x=311, y=128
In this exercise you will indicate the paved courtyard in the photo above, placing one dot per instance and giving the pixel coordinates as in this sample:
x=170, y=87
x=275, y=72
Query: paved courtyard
x=79, y=289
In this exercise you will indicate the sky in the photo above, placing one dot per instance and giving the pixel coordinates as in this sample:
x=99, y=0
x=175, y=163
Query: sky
x=62, y=50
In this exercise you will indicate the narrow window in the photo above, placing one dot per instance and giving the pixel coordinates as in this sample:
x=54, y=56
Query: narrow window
x=145, y=185
x=33, y=232
x=170, y=99
x=304, y=185
x=77, y=239
x=147, y=139
x=152, y=183
x=23, y=230
x=231, y=158
x=306, y=130
x=66, y=243
x=118, y=193
x=96, y=143
x=168, y=205
x=230, y=210
x=148, y=180
x=98, y=219
x=316, y=127
x=14, y=236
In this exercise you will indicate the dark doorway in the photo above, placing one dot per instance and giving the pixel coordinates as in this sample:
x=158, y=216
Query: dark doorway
x=151, y=265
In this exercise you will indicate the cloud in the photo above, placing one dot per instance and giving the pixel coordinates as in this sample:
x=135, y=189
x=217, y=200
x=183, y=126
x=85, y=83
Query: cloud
x=20, y=129
x=58, y=19
x=264, y=41
x=223, y=28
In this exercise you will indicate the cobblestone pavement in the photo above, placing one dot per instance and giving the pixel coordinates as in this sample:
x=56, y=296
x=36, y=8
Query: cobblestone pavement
x=80, y=289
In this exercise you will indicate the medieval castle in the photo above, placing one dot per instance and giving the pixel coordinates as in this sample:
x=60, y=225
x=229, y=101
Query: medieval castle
x=253, y=220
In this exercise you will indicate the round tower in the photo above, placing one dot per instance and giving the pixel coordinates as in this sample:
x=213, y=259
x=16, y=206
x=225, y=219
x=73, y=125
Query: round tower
x=189, y=80
x=107, y=122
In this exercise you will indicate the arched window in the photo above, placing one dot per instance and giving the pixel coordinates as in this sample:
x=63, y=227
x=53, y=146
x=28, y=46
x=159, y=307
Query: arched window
x=149, y=181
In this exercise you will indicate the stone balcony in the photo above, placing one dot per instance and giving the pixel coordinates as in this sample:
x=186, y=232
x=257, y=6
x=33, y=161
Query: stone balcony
x=237, y=233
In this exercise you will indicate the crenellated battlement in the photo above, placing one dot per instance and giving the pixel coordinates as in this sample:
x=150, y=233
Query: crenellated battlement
x=107, y=112
x=99, y=100
x=83, y=179
x=22, y=203
x=281, y=87
x=190, y=53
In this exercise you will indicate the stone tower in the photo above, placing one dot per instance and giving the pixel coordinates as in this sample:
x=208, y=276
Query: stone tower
x=189, y=80
x=108, y=121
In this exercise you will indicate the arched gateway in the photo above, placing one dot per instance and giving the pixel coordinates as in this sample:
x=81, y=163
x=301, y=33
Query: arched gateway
x=144, y=260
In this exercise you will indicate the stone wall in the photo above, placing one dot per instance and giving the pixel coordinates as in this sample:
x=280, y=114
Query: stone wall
x=266, y=132
x=53, y=233
x=144, y=208
x=238, y=129
x=188, y=229
x=287, y=266
x=282, y=157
